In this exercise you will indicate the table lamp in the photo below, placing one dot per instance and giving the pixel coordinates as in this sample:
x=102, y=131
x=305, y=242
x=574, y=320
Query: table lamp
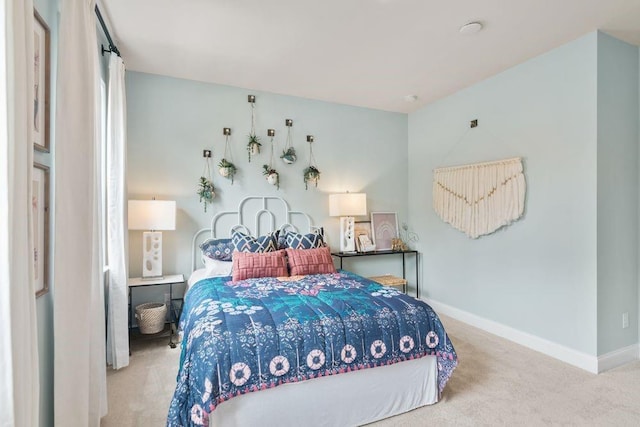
x=346, y=206
x=152, y=216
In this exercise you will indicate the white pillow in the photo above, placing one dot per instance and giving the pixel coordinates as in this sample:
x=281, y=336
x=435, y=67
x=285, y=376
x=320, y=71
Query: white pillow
x=215, y=267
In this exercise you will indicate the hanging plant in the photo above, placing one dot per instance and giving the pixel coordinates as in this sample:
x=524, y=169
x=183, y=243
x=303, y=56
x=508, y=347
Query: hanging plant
x=289, y=153
x=272, y=176
x=311, y=172
x=205, y=185
x=270, y=173
x=226, y=168
x=253, y=147
x=311, y=175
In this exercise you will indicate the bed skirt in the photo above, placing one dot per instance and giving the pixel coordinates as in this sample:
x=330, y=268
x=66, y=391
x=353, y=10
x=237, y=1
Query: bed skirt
x=349, y=399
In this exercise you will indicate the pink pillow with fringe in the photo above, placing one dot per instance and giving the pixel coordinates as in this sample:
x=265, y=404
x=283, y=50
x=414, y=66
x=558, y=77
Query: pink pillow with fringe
x=248, y=265
x=310, y=261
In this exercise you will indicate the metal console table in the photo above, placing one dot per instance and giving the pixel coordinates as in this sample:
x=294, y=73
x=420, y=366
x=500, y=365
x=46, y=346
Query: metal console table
x=343, y=255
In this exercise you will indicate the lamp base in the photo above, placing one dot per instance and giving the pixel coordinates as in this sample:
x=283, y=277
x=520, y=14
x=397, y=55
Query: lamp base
x=347, y=228
x=151, y=255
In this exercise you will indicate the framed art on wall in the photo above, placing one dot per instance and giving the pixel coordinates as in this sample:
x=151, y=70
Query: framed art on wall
x=41, y=83
x=385, y=228
x=40, y=207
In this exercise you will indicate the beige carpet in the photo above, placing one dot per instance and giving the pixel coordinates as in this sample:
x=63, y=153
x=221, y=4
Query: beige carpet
x=496, y=383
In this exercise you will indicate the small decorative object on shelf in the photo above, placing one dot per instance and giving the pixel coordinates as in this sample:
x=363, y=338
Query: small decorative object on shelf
x=398, y=245
x=272, y=176
x=253, y=146
x=289, y=153
x=226, y=167
x=311, y=172
x=205, y=186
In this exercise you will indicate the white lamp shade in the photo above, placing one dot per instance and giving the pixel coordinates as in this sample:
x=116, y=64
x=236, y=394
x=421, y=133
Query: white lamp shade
x=152, y=215
x=348, y=204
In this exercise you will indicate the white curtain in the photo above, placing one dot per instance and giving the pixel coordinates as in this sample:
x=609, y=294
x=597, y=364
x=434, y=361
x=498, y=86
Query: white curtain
x=19, y=376
x=117, y=236
x=79, y=325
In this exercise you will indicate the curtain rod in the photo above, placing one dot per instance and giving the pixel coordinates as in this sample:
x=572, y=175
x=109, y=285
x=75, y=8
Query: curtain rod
x=112, y=47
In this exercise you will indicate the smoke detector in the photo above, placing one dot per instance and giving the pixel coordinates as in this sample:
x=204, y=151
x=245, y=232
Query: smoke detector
x=471, y=28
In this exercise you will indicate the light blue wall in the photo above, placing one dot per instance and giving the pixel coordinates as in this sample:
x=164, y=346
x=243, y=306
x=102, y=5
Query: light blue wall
x=617, y=193
x=48, y=10
x=538, y=275
x=170, y=122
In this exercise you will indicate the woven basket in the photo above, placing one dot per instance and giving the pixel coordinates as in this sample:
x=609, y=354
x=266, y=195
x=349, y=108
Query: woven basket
x=151, y=317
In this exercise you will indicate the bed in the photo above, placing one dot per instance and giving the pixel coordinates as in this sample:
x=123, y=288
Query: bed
x=306, y=343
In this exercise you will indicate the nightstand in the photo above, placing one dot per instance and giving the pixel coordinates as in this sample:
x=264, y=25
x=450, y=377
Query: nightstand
x=169, y=280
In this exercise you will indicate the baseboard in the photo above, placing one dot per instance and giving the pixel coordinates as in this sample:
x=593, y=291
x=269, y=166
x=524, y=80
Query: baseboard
x=573, y=357
x=618, y=357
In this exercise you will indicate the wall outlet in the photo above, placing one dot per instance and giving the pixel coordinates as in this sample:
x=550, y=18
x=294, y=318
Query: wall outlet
x=625, y=320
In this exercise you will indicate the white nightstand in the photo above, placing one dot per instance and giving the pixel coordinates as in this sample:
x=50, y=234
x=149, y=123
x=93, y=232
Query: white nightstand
x=170, y=280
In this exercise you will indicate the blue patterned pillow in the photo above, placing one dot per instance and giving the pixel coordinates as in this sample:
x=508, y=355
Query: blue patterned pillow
x=218, y=249
x=245, y=243
x=304, y=241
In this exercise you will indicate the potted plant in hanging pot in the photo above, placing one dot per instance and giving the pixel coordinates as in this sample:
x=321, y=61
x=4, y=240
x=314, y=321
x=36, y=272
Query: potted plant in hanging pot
x=289, y=155
x=205, y=191
x=311, y=175
x=272, y=176
x=253, y=147
x=227, y=169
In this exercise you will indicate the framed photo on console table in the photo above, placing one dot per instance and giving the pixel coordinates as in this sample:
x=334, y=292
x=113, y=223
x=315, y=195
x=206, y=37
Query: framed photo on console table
x=363, y=236
x=40, y=206
x=385, y=229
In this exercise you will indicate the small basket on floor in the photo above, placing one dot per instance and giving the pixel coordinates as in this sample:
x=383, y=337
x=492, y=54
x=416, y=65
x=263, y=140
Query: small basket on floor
x=151, y=317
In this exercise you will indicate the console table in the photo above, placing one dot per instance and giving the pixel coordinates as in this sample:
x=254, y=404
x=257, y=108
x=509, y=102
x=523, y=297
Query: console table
x=343, y=255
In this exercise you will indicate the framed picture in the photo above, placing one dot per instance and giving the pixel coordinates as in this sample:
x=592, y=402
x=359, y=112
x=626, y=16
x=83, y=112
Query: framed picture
x=385, y=228
x=40, y=206
x=41, y=83
x=363, y=236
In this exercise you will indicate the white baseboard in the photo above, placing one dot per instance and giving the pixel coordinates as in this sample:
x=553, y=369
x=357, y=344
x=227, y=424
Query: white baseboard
x=618, y=357
x=573, y=357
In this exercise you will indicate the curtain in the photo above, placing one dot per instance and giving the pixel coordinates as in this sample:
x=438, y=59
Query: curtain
x=19, y=375
x=79, y=315
x=117, y=236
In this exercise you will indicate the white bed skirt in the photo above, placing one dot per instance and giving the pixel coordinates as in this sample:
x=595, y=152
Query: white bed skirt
x=349, y=399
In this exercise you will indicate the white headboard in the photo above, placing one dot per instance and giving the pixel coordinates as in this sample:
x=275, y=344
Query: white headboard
x=269, y=213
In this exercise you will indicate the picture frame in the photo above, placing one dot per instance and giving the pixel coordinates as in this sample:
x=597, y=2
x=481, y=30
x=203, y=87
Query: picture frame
x=41, y=212
x=41, y=83
x=385, y=229
x=362, y=233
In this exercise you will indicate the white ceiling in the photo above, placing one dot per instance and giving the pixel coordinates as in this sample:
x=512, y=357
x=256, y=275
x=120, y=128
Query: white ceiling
x=369, y=53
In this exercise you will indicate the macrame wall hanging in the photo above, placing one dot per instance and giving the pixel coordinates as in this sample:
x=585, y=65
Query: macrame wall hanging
x=226, y=167
x=480, y=198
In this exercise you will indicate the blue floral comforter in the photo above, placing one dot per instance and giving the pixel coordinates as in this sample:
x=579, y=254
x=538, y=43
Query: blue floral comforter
x=255, y=334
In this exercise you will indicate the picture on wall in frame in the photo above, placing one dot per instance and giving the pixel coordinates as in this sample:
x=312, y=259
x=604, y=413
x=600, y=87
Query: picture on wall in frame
x=41, y=83
x=40, y=207
x=363, y=236
x=385, y=229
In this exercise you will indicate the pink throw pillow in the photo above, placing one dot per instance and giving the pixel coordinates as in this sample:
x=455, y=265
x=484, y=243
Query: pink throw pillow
x=247, y=265
x=310, y=261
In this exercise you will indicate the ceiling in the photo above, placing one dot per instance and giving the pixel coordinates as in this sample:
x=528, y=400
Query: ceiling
x=368, y=53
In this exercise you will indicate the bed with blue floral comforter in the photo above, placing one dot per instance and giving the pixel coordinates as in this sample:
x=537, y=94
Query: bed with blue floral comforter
x=255, y=334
